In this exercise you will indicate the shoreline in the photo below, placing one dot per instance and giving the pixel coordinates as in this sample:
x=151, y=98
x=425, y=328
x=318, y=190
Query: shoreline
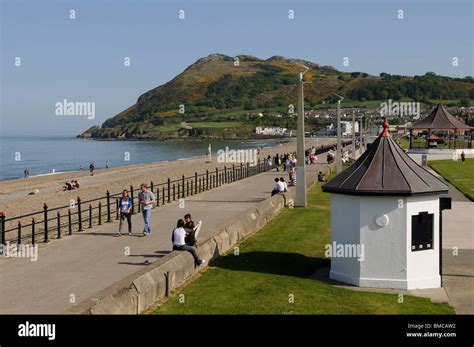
x=278, y=143
x=14, y=193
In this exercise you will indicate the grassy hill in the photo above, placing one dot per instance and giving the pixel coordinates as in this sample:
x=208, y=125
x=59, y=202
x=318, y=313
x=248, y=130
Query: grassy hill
x=219, y=88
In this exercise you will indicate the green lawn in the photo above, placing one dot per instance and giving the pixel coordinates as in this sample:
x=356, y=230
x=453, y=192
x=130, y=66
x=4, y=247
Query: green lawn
x=273, y=266
x=459, y=175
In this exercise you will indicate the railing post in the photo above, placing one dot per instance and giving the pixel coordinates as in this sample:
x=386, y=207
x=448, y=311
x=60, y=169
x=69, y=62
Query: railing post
x=100, y=214
x=233, y=173
x=192, y=188
x=248, y=169
x=187, y=188
x=2, y=226
x=163, y=195
x=217, y=175
x=58, y=218
x=90, y=216
x=179, y=193
x=132, y=197
x=158, y=196
x=207, y=179
x=169, y=190
x=45, y=213
x=225, y=174
x=69, y=221
x=182, y=185
x=33, y=227
x=195, y=183
x=151, y=186
x=19, y=233
x=117, y=209
x=241, y=170
x=79, y=213
x=108, y=207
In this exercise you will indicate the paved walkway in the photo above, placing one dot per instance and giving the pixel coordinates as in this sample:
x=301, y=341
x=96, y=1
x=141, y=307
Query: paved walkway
x=458, y=251
x=79, y=266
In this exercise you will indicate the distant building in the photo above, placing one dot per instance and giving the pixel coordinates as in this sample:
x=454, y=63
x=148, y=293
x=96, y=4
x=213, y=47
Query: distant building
x=272, y=131
x=346, y=128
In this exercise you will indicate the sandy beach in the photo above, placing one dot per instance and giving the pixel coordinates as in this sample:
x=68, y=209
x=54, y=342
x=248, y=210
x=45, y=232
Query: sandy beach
x=15, y=199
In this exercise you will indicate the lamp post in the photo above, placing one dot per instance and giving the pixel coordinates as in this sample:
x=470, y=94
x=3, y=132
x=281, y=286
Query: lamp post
x=353, y=136
x=300, y=198
x=338, y=144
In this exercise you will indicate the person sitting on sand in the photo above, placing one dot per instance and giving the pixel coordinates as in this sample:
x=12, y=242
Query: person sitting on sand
x=67, y=186
x=76, y=184
x=178, y=238
x=321, y=177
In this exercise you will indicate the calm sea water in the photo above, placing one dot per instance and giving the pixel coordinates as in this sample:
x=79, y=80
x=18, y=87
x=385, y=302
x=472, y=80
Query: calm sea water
x=42, y=155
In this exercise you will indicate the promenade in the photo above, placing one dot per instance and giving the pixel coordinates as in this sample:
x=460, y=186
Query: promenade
x=76, y=267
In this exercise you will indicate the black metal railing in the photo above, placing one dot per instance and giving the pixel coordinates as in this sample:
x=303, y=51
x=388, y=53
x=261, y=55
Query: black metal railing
x=80, y=215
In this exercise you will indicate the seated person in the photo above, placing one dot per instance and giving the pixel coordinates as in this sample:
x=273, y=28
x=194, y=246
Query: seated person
x=279, y=187
x=292, y=179
x=67, y=186
x=77, y=184
x=178, y=236
x=321, y=177
x=285, y=185
x=191, y=230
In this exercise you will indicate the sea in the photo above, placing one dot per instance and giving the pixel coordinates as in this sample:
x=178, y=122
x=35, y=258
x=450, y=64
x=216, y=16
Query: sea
x=50, y=155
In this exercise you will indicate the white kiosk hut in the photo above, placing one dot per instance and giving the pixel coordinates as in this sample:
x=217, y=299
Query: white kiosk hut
x=388, y=206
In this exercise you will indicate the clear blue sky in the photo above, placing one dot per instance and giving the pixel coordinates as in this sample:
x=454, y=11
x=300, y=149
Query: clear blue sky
x=82, y=59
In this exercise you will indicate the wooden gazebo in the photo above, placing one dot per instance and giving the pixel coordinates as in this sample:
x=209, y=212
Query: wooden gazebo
x=441, y=119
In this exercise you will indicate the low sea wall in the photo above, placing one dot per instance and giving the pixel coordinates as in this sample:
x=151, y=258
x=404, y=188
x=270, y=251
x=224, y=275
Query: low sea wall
x=140, y=290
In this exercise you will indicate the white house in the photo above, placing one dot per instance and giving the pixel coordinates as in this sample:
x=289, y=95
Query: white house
x=387, y=207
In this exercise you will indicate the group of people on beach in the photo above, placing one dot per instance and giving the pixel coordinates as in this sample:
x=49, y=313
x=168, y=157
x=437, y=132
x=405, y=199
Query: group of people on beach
x=74, y=184
x=183, y=237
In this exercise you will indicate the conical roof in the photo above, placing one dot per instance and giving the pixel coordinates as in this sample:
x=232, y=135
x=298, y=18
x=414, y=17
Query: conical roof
x=441, y=119
x=385, y=169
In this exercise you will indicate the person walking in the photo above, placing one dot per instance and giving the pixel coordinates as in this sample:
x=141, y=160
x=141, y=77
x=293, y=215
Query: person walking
x=277, y=162
x=91, y=169
x=146, y=199
x=125, y=206
x=463, y=157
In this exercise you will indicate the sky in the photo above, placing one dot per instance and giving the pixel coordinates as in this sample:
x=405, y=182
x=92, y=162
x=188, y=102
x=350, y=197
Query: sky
x=82, y=59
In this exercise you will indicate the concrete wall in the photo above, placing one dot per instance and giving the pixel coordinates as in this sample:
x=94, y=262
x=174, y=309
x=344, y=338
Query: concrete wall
x=139, y=291
x=423, y=266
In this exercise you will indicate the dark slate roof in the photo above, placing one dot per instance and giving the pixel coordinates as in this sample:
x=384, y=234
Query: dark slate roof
x=440, y=118
x=385, y=169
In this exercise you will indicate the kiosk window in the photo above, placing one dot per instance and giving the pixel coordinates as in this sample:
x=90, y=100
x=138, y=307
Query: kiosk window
x=422, y=231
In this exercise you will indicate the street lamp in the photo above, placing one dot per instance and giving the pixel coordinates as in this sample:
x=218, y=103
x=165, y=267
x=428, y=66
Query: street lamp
x=338, y=143
x=300, y=198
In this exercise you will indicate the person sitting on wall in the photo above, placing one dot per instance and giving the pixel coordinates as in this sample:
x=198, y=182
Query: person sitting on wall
x=321, y=177
x=191, y=230
x=292, y=179
x=179, y=244
x=279, y=187
x=285, y=185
